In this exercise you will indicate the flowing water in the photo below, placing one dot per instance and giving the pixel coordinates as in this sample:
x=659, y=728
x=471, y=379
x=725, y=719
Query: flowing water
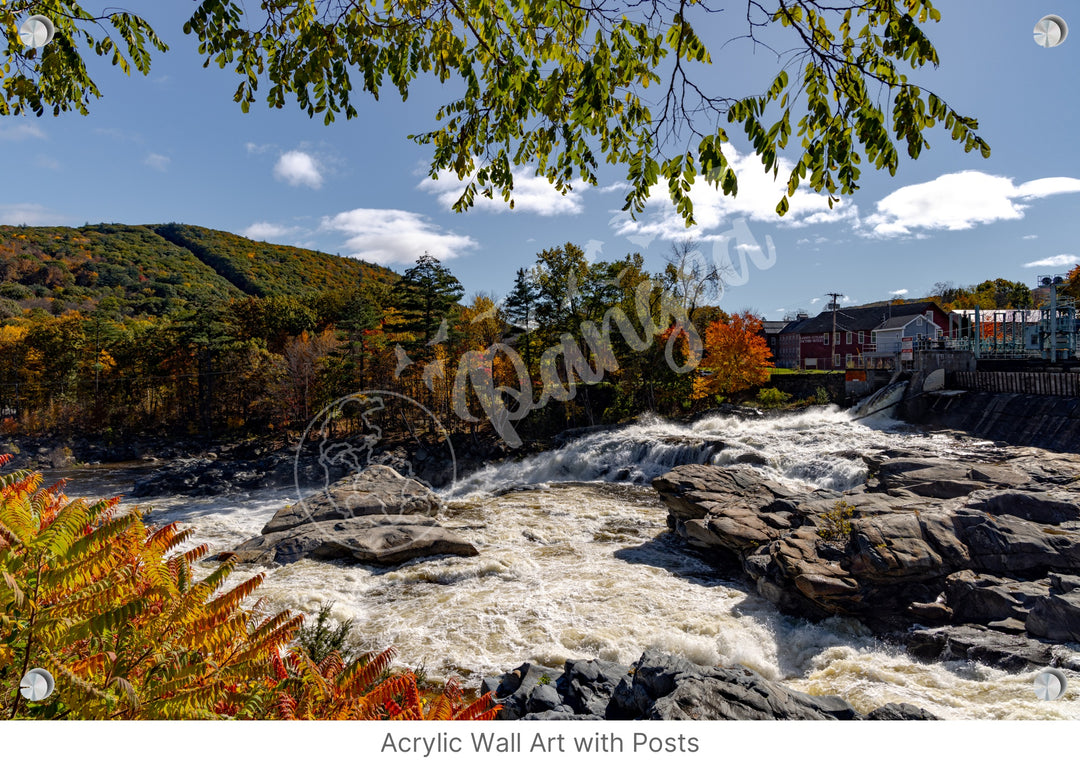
x=575, y=562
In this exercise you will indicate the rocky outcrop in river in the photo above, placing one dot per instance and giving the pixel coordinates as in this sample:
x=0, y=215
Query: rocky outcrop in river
x=661, y=686
x=991, y=541
x=376, y=516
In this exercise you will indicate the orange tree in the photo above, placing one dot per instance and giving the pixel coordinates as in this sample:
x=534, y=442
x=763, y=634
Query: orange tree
x=114, y=611
x=736, y=357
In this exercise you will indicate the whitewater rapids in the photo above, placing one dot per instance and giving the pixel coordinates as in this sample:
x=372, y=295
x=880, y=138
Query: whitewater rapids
x=576, y=562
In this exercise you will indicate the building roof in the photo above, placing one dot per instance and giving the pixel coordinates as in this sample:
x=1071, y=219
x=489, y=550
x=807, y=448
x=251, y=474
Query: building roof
x=900, y=322
x=795, y=326
x=861, y=318
x=773, y=326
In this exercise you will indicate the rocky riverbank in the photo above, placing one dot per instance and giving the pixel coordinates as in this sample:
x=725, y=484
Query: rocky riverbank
x=660, y=686
x=975, y=558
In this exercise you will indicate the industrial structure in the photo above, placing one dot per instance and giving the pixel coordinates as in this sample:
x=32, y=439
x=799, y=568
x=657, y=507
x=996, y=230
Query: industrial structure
x=886, y=336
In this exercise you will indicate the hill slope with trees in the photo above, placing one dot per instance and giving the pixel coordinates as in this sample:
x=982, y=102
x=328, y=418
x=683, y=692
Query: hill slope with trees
x=155, y=270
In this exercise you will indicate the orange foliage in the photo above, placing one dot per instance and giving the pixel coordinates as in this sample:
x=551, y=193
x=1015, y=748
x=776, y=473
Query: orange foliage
x=736, y=357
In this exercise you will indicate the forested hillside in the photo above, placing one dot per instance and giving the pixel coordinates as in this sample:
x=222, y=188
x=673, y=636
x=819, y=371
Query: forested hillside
x=179, y=330
x=156, y=270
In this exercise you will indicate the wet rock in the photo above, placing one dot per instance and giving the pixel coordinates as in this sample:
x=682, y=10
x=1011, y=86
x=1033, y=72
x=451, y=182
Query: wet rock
x=590, y=683
x=386, y=540
x=900, y=711
x=722, y=508
x=984, y=598
x=543, y=698
x=1032, y=506
x=929, y=477
x=1057, y=615
x=887, y=552
x=662, y=686
x=513, y=690
x=976, y=642
x=377, y=489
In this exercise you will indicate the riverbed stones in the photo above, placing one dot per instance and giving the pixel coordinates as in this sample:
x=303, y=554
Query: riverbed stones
x=663, y=686
x=972, y=541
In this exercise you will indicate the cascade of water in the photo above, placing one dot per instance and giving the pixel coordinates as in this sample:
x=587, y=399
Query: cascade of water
x=816, y=448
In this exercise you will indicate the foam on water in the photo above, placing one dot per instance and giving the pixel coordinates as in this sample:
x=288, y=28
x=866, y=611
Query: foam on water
x=588, y=570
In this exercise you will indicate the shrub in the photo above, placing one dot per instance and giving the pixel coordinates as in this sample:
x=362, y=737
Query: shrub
x=821, y=395
x=771, y=397
x=114, y=612
x=837, y=522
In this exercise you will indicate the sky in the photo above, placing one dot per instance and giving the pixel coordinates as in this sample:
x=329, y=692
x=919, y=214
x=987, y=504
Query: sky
x=174, y=146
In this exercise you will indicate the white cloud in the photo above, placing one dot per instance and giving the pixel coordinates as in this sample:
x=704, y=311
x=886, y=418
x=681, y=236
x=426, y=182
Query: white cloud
x=960, y=200
x=21, y=131
x=899, y=292
x=1030, y=236
x=29, y=214
x=758, y=195
x=298, y=168
x=265, y=231
x=395, y=236
x=531, y=194
x=157, y=161
x=255, y=148
x=1064, y=259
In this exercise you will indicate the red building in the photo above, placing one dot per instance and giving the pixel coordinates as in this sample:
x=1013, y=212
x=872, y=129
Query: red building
x=856, y=335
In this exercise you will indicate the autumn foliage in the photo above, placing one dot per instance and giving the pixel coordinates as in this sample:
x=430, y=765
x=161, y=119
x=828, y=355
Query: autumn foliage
x=736, y=357
x=116, y=612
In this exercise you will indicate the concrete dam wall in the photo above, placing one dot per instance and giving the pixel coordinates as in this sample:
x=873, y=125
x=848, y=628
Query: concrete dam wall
x=1050, y=422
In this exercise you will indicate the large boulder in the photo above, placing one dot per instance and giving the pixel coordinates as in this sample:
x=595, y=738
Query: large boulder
x=1057, y=615
x=375, y=490
x=925, y=540
x=387, y=540
x=724, y=508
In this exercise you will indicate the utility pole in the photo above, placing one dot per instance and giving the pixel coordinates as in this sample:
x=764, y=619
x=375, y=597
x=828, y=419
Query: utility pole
x=835, y=296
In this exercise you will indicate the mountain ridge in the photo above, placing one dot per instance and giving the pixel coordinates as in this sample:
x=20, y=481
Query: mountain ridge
x=156, y=268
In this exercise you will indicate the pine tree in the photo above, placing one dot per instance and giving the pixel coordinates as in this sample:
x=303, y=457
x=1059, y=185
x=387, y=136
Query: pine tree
x=425, y=297
x=520, y=308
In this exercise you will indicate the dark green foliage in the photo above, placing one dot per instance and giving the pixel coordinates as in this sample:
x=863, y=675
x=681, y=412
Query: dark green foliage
x=158, y=270
x=319, y=639
x=262, y=269
x=425, y=296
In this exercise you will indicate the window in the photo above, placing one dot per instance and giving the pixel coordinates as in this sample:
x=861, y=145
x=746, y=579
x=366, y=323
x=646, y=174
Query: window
x=861, y=335
x=847, y=339
x=873, y=337
x=836, y=361
x=826, y=337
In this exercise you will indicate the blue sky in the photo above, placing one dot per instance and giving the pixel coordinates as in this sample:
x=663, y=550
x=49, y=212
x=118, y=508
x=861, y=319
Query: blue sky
x=175, y=147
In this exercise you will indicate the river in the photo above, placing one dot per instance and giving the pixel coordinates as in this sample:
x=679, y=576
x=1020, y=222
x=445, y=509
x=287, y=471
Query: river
x=575, y=562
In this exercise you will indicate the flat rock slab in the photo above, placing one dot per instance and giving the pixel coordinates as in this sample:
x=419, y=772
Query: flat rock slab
x=386, y=540
x=375, y=490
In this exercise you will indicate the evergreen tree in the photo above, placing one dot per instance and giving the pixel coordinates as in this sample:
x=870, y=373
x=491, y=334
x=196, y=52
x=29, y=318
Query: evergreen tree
x=520, y=308
x=425, y=298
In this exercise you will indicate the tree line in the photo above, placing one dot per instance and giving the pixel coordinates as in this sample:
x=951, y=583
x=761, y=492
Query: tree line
x=258, y=365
